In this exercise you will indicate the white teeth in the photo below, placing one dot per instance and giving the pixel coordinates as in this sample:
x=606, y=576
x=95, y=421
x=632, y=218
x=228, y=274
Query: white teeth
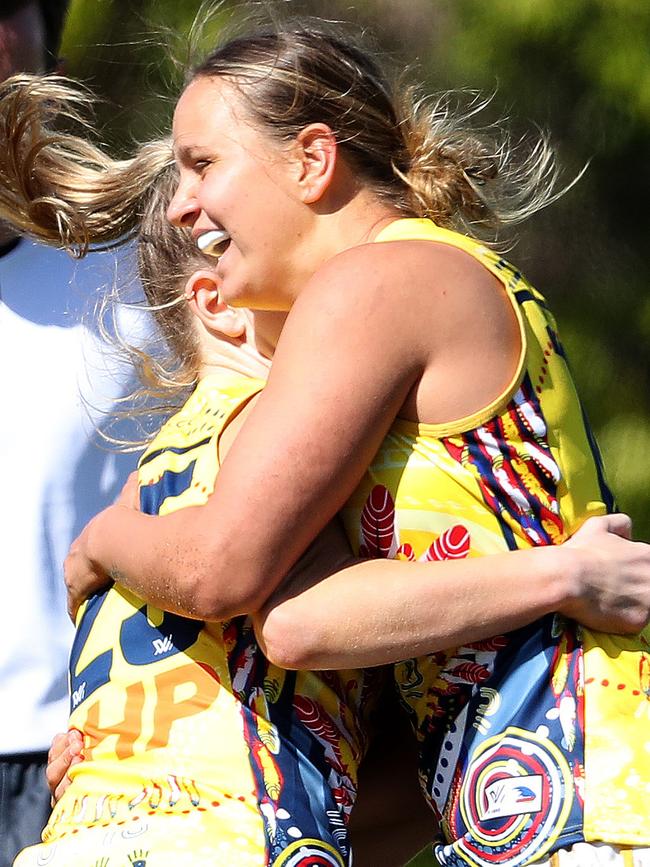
x=209, y=241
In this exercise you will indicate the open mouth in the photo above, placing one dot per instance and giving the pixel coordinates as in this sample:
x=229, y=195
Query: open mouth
x=213, y=243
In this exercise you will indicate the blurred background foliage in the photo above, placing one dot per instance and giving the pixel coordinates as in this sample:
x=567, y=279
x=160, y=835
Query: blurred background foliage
x=577, y=68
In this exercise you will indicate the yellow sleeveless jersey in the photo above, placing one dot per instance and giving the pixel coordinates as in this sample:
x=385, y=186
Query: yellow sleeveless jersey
x=187, y=720
x=537, y=739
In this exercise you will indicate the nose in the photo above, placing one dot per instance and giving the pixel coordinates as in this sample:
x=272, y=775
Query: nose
x=183, y=209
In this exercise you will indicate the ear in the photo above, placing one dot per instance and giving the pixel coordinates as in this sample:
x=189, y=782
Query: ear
x=202, y=293
x=317, y=155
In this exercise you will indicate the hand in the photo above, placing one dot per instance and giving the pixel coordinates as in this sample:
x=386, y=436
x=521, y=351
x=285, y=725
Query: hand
x=65, y=752
x=614, y=585
x=83, y=576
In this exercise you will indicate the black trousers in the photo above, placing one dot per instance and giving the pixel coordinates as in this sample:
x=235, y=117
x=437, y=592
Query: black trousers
x=24, y=803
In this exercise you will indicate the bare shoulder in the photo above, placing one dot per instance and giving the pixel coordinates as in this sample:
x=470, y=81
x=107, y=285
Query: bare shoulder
x=409, y=283
x=426, y=307
x=402, y=268
x=368, y=294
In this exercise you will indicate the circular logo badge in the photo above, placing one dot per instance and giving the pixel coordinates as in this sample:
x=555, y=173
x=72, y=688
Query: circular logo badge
x=514, y=801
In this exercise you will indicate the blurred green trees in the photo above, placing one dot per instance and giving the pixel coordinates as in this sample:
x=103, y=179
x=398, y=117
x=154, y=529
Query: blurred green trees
x=578, y=68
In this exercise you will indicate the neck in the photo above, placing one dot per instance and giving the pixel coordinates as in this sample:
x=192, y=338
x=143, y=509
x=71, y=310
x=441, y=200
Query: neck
x=352, y=224
x=249, y=354
x=267, y=326
x=237, y=358
x=339, y=225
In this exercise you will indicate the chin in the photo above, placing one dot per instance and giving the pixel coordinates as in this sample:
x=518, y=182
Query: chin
x=245, y=293
x=233, y=296
x=238, y=295
x=230, y=289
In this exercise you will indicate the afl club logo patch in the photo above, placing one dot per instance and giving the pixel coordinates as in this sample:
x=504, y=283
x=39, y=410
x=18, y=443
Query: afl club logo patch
x=514, y=802
x=512, y=796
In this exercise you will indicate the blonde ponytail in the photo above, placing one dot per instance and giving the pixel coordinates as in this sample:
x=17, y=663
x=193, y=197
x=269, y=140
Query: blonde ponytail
x=425, y=157
x=471, y=180
x=57, y=186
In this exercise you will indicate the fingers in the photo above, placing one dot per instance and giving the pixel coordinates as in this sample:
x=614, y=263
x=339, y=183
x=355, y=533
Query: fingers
x=81, y=574
x=73, y=601
x=620, y=524
x=64, y=783
x=59, y=743
x=72, y=566
x=614, y=594
x=75, y=741
x=65, y=752
x=80, y=579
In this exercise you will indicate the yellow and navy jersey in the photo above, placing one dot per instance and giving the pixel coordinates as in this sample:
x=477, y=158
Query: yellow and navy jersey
x=536, y=739
x=182, y=717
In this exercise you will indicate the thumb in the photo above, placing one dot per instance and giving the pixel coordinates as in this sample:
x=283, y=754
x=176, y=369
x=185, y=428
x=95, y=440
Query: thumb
x=620, y=524
x=617, y=525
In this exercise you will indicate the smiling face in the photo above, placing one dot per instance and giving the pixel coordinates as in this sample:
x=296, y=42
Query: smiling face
x=236, y=179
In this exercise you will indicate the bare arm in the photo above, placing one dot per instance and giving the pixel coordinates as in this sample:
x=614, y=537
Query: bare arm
x=599, y=578
x=339, y=378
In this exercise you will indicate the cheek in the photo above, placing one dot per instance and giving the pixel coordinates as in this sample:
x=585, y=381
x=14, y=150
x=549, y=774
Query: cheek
x=208, y=195
x=224, y=197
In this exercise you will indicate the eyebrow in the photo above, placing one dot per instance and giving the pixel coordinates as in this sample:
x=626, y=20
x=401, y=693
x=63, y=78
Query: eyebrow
x=187, y=153
x=183, y=153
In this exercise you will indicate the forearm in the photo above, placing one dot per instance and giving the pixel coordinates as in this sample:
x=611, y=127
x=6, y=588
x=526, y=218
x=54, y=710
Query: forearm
x=296, y=460
x=168, y=560
x=374, y=612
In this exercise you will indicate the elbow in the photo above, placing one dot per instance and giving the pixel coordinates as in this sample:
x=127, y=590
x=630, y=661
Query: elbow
x=213, y=586
x=202, y=603
x=209, y=599
x=288, y=639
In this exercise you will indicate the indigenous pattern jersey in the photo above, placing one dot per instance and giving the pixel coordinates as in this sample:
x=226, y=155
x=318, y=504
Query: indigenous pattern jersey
x=185, y=718
x=540, y=738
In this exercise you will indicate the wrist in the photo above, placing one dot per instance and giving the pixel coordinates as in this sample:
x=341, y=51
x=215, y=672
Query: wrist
x=98, y=540
x=568, y=568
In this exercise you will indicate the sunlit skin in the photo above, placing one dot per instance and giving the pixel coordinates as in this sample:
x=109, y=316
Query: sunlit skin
x=292, y=209
x=236, y=178
x=229, y=342
x=223, y=333
x=230, y=338
x=407, y=328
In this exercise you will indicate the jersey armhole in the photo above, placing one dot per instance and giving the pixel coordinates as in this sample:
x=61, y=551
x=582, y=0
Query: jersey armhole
x=426, y=230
